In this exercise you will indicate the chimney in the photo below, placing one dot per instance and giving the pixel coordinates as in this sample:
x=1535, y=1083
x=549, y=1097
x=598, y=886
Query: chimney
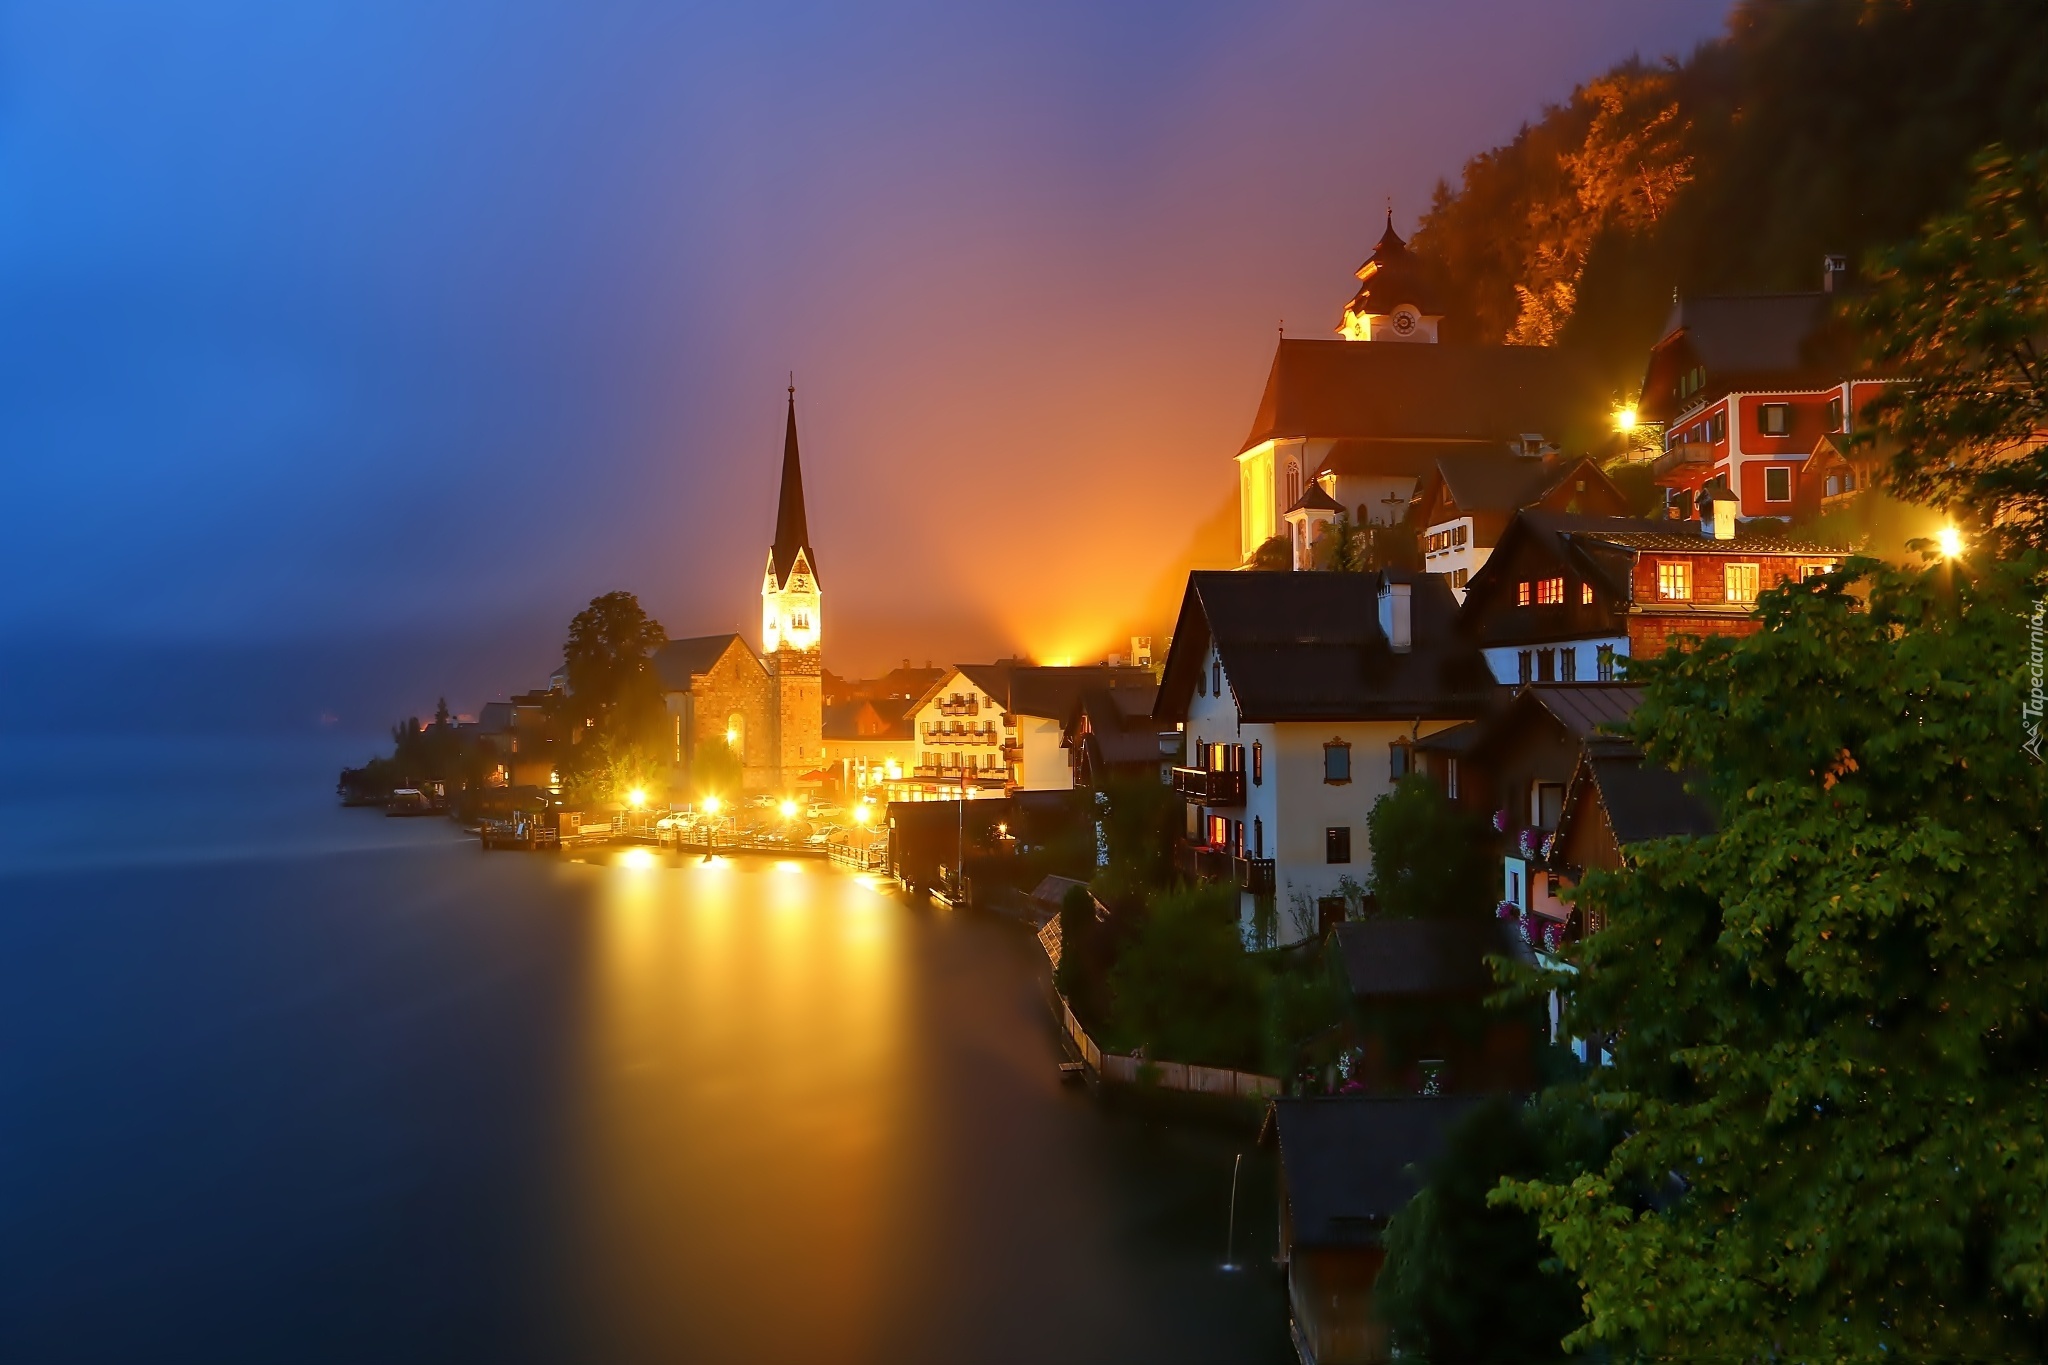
x=1141, y=650
x=1724, y=518
x=1832, y=265
x=1397, y=619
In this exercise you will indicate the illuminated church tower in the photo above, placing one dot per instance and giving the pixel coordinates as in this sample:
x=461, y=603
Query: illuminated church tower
x=791, y=628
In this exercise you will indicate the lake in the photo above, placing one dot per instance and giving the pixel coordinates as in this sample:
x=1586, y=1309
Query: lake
x=285, y=1082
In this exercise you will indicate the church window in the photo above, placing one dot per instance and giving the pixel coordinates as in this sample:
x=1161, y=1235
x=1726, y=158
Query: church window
x=1293, y=483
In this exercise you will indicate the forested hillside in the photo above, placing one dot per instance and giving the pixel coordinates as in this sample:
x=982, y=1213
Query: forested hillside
x=1813, y=126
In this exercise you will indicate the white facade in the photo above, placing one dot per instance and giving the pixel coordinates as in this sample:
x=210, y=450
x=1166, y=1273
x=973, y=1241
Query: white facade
x=1571, y=661
x=959, y=732
x=1042, y=763
x=1289, y=805
x=1449, y=548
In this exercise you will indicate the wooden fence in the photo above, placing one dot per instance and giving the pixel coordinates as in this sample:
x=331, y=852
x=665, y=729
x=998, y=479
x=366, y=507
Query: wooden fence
x=1120, y=1069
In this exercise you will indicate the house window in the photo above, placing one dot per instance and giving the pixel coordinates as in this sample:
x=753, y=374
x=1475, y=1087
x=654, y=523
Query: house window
x=1459, y=579
x=1258, y=763
x=1816, y=570
x=1569, y=658
x=1717, y=427
x=1523, y=593
x=1219, y=831
x=1585, y=594
x=1778, y=484
x=1550, y=592
x=1742, y=581
x=1258, y=837
x=1525, y=662
x=1603, y=663
x=1546, y=665
x=1546, y=803
x=1834, y=415
x=1774, y=419
x=1400, y=759
x=1337, y=762
x=1451, y=777
x=1458, y=535
x=1216, y=676
x=1674, y=580
x=1337, y=844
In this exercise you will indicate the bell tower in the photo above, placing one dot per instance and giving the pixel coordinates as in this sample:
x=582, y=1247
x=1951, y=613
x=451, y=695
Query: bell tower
x=792, y=627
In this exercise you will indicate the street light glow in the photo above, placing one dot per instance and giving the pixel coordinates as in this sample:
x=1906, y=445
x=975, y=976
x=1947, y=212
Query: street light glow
x=789, y=810
x=711, y=805
x=861, y=814
x=1625, y=419
x=1951, y=542
x=637, y=797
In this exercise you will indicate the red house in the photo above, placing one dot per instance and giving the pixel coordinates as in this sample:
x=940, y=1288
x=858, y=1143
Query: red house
x=1746, y=387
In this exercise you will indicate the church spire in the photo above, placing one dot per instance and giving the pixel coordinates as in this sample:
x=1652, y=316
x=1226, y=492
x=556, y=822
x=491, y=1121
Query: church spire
x=792, y=533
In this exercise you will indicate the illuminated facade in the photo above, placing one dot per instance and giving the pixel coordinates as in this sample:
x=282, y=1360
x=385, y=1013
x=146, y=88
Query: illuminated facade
x=792, y=629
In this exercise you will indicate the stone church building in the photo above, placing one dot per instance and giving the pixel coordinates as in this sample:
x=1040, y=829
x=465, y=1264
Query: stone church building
x=758, y=715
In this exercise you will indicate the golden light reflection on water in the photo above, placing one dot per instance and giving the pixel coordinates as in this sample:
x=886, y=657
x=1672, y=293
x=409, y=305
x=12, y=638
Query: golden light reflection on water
x=745, y=1083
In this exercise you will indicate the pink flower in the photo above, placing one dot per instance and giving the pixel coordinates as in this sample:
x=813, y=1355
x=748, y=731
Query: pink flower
x=1500, y=821
x=1507, y=910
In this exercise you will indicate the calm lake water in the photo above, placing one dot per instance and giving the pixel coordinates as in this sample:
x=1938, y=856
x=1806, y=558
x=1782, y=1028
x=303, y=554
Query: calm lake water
x=283, y=1082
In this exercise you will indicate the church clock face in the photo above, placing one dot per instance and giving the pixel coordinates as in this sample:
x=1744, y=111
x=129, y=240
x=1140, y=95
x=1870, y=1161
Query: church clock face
x=1404, y=323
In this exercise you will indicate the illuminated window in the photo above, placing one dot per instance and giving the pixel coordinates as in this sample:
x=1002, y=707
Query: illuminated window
x=1778, y=484
x=1523, y=590
x=1460, y=578
x=1674, y=581
x=1258, y=763
x=1550, y=591
x=1585, y=594
x=1337, y=762
x=1774, y=419
x=1816, y=570
x=1742, y=581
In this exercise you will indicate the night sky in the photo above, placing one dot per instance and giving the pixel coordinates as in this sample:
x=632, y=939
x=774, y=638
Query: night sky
x=391, y=333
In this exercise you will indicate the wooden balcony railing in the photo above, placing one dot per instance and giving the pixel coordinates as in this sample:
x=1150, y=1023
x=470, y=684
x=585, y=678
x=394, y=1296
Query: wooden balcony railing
x=1202, y=787
x=1254, y=875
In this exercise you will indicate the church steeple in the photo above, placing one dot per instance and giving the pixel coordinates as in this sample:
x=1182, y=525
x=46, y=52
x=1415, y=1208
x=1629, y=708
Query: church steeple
x=792, y=532
x=1396, y=300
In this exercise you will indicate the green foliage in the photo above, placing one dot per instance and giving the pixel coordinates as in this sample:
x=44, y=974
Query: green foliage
x=1832, y=1032
x=1307, y=1003
x=1345, y=548
x=613, y=712
x=715, y=770
x=1184, y=986
x=1427, y=859
x=1139, y=817
x=1963, y=311
x=1274, y=555
x=1085, y=951
x=1468, y=1279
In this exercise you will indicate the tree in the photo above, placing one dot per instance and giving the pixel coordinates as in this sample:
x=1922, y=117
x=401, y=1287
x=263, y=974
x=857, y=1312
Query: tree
x=1137, y=817
x=1184, y=987
x=1085, y=949
x=1469, y=1280
x=1831, y=1056
x=1274, y=555
x=1426, y=856
x=1962, y=313
x=613, y=710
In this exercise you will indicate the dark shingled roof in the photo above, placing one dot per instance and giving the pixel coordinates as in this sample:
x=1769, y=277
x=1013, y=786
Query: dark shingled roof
x=1053, y=692
x=1351, y=1162
x=676, y=662
x=1750, y=334
x=1308, y=646
x=1642, y=801
x=1120, y=722
x=1315, y=498
x=1391, y=276
x=1422, y=957
x=1368, y=456
x=792, y=531
x=1585, y=708
x=1335, y=388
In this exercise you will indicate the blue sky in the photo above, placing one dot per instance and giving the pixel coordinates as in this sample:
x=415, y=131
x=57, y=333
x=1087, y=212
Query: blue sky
x=331, y=320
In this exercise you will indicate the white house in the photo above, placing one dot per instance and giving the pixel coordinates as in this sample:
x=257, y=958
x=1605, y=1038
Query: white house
x=991, y=729
x=1299, y=696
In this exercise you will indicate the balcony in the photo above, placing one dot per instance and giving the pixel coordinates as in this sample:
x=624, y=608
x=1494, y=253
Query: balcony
x=1254, y=875
x=1201, y=787
x=1198, y=863
x=1681, y=457
x=963, y=706
x=1012, y=753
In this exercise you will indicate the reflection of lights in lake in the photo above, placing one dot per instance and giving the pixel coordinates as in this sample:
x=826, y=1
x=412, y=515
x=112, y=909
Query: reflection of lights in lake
x=639, y=859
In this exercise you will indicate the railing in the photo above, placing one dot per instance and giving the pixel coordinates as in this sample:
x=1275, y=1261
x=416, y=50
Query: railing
x=976, y=777
x=1203, y=864
x=1689, y=452
x=968, y=707
x=1115, y=1069
x=1202, y=787
x=1254, y=875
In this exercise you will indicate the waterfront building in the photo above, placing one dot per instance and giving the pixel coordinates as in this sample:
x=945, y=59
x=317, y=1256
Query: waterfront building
x=719, y=699
x=993, y=729
x=1299, y=698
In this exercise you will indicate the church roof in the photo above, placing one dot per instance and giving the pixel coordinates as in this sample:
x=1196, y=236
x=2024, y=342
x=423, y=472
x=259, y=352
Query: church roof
x=678, y=661
x=792, y=532
x=1334, y=389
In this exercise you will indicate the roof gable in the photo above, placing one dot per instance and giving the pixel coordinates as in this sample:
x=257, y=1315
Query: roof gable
x=679, y=661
